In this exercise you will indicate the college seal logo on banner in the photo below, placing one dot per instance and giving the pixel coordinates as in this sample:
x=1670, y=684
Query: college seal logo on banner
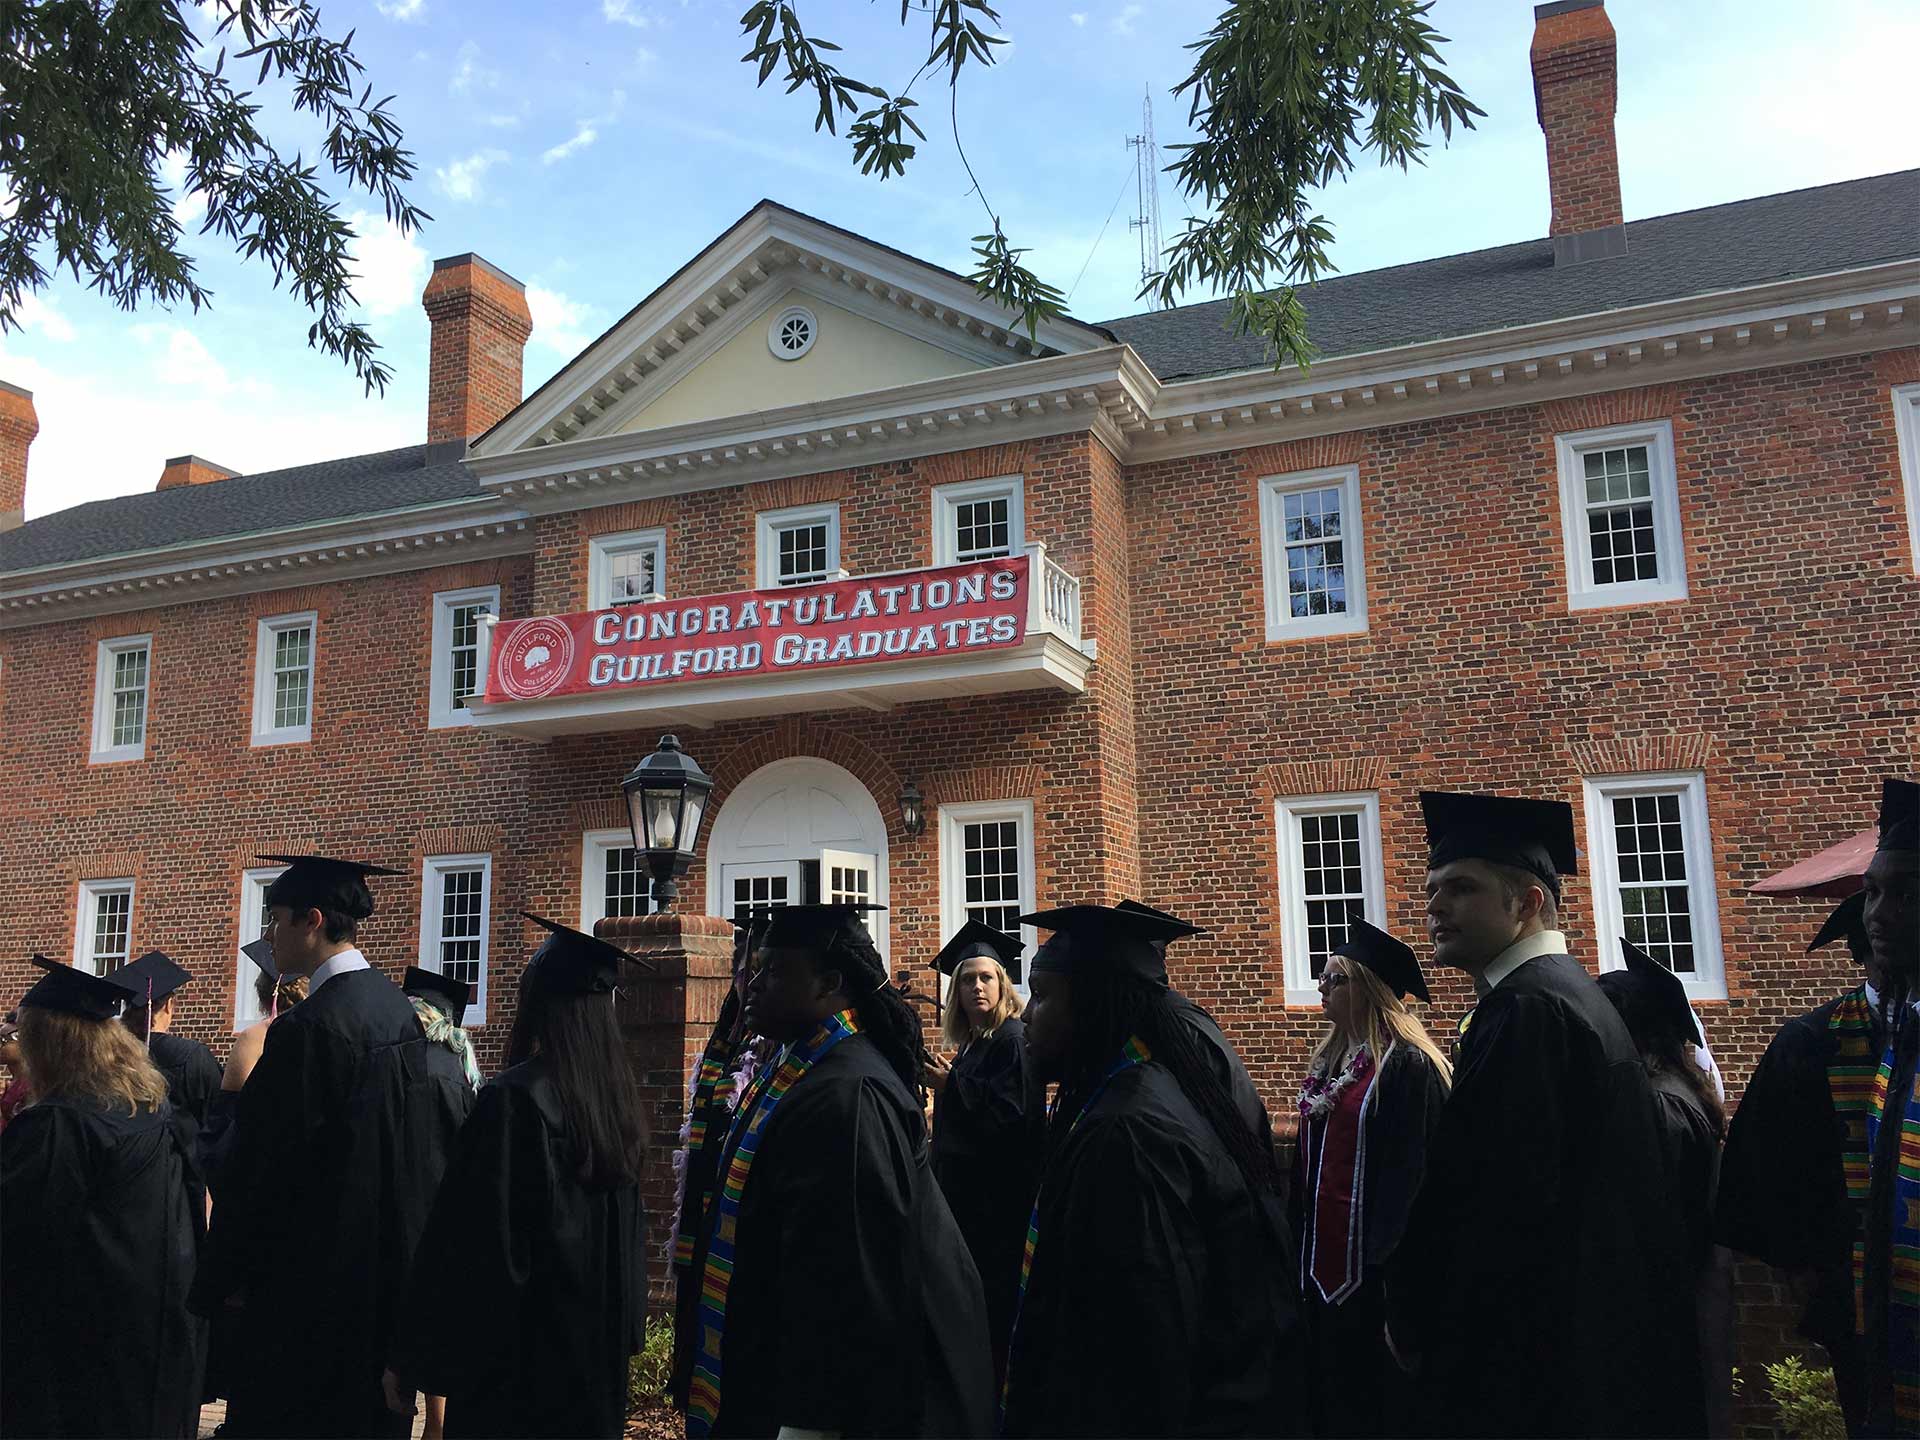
x=536, y=658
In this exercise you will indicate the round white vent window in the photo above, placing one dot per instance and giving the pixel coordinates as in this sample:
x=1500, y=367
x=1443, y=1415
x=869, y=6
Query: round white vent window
x=791, y=334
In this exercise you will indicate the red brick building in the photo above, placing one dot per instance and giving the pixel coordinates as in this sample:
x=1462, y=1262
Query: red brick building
x=1625, y=515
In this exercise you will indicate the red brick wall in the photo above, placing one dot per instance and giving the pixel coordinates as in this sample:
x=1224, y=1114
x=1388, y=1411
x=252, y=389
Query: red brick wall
x=480, y=327
x=1575, y=74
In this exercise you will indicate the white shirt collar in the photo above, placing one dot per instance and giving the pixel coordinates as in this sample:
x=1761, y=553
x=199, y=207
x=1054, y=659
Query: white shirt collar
x=334, y=965
x=1873, y=996
x=1528, y=947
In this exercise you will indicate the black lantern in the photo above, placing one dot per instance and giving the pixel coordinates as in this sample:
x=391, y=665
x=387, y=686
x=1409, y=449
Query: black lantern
x=666, y=800
x=913, y=813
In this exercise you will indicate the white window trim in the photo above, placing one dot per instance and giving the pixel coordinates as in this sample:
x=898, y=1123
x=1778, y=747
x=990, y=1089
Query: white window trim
x=85, y=912
x=947, y=500
x=601, y=549
x=442, y=714
x=1281, y=624
x=104, y=751
x=253, y=893
x=433, y=870
x=1709, y=980
x=1296, y=967
x=1582, y=593
x=953, y=879
x=767, y=545
x=594, y=845
x=1906, y=426
x=264, y=732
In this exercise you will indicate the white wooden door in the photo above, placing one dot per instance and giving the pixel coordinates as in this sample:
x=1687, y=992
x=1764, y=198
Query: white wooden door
x=760, y=884
x=846, y=877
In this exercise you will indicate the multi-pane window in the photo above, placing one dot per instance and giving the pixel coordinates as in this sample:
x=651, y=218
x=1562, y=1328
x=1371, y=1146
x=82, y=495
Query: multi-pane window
x=631, y=576
x=978, y=520
x=454, y=915
x=1906, y=427
x=802, y=553
x=849, y=880
x=120, y=699
x=626, y=569
x=753, y=892
x=103, y=928
x=254, y=917
x=1311, y=550
x=283, y=680
x=1621, y=516
x=980, y=528
x=1330, y=875
x=1653, y=874
x=465, y=651
x=625, y=881
x=458, y=616
x=799, y=547
x=986, y=865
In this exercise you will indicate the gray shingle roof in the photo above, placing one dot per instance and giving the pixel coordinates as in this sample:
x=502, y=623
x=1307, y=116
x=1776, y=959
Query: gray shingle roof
x=1749, y=242
x=390, y=480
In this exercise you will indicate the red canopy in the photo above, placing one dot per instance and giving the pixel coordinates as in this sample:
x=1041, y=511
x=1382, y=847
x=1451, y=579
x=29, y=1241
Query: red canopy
x=1836, y=871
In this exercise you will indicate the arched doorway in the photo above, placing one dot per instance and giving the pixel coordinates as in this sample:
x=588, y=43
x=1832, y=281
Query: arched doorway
x=796, y=830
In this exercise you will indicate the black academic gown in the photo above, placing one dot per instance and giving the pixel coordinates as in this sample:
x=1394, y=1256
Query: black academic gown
x=193, y=1075
x=343, y=1131
x=529, y=1289
x=854, y=1305
x=1161, y=1298
x=1690, y=1176
x=1783, y=1188
x=989, y=1123
x=1357, y=1388
x=100, y=1217
x=1537, y=1266
x=1228, y=1068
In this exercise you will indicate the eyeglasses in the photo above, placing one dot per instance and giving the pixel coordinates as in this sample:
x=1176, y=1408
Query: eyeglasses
x=1332, y=981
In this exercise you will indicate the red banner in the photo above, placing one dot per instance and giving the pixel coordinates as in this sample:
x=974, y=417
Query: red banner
x=924, y=614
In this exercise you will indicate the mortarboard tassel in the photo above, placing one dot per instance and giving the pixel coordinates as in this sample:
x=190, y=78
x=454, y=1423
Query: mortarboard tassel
x=149, y=1014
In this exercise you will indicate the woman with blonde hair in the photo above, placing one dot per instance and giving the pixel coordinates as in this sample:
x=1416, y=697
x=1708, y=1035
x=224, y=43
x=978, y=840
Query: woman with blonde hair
x=100, y=1221
x=987, y=1117
x=1374, y=1091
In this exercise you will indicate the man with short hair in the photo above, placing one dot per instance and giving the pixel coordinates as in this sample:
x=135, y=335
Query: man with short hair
x=343, y=1132
x=193, y=1075
x=1536, y=1268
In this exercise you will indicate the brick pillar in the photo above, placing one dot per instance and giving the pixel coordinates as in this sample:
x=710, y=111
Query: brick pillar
x=1575, y=74
x=666, y=1016
x=18, y=425
x=480, y=326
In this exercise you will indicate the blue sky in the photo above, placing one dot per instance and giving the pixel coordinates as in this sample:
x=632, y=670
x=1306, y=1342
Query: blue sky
x=590, y=147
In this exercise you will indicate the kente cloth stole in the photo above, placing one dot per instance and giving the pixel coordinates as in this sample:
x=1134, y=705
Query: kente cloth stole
x=763, y=1097
x=712, y=1084
x=1903, y=1285
x=1850, y=1077
x=1134, y=1052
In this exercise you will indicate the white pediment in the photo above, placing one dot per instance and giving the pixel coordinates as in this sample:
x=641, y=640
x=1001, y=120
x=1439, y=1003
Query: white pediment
x=696, y=349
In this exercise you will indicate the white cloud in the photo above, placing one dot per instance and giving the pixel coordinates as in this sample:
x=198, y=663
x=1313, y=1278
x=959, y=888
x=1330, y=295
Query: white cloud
x=463, y=179
x=38, y=315
x=389, y=265
x=643, y=58
x=182, y=358
x=1123, y=22
x=469, y=74
x=400, y=9
x=559, y=323
x=188, y=205
x=622, y=12
x=502, y=121
x=1079, y=17
x=585, y=135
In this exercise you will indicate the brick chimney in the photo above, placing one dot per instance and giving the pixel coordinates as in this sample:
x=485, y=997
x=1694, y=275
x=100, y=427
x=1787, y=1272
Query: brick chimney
x=18, y=425
x=1574, y=74
x=192, y=470
x=480, y=329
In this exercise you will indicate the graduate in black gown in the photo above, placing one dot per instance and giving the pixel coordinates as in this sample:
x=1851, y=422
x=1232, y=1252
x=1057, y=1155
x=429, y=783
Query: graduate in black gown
x=528, y=1295
x=1372, y=1099
x=839, y=1295
x=1653, y=1003
x=1536, y=1268
x=100, y=1217
x=989, y=1115
x=193, y=1075
x=343, y=1131
x=440, y=1001
x=1794, y=1173
x=1159, y=1299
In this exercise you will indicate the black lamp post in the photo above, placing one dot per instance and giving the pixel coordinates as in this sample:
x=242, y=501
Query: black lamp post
x=913, y=813
x=666, y=801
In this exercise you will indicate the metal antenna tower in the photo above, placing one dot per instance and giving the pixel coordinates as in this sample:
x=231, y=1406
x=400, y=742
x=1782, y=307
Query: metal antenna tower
x=1146, y=180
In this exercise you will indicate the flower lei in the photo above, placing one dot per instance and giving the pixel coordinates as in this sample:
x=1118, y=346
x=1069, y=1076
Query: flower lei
x=1320, y=1093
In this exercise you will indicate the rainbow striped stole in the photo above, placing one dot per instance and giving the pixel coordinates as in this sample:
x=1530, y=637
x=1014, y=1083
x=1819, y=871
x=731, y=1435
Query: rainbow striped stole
x=712, y=1084
x=1903, y=1284
x=763, y=1097
x=1850, y=1074
x=1134, y=1052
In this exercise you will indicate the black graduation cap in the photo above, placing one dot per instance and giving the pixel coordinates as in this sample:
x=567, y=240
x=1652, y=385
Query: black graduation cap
x=448, y=994
x=1656, y=1000
x=260, y=952
x=818, y=927
x=1849, y=922
x=1899, y=815
x=1394, y=962
x=74, y=991
x=1105, y=939
x=1531, y=835
x=974, y=939
x=572, y=962
x=1187, y=928
x=320, y=882
x=153, y=977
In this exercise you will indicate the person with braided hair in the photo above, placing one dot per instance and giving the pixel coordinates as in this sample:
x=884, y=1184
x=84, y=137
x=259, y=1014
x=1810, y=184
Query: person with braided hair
x=1157, y=1290
x=837, y=1295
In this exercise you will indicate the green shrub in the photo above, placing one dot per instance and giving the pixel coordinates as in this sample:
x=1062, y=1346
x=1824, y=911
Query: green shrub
x=1809, y=1407
x=650, y=1370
